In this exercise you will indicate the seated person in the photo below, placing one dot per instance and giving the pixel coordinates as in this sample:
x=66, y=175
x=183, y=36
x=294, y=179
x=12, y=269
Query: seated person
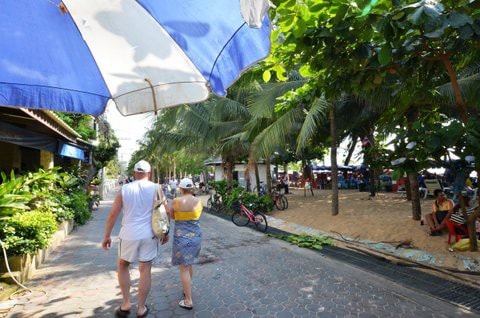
x=442, y=209
x=457, y=215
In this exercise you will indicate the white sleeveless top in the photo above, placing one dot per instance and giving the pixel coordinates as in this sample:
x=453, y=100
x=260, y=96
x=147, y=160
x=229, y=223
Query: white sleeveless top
x=137, y=205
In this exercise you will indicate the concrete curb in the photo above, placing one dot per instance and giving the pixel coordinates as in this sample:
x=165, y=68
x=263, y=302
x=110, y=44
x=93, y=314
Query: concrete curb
x=415, y=255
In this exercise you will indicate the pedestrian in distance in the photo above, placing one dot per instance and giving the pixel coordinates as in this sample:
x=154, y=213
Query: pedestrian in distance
x=137, y=242
x=173, y=187
x=187, y=237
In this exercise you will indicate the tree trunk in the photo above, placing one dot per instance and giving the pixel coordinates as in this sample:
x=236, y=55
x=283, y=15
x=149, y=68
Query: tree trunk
x=268, y=175
x=462, y=108
x=333, y=159
x=285, y=169
x=408, y=188
x=229, y=166
x=174, y=169
x=307, y=174
x=257, y=177
x=351, y=149
x=373, y=184
x=371, y=159
x=416, y=207
x=246, y=173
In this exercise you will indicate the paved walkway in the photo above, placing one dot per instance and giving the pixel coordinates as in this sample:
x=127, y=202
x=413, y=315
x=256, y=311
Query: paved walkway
x=241, y=273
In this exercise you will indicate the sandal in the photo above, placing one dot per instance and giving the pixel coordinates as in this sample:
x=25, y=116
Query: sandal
x=119, y=312
x=184, y=305
x=145, y=313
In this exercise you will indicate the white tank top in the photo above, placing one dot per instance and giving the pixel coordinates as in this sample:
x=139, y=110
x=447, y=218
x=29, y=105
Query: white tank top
x=137, y=205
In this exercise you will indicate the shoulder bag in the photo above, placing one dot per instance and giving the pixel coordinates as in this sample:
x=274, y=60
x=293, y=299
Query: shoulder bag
x=160, y=220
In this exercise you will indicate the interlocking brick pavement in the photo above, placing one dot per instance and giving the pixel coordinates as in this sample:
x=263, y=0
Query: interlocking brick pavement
x=240, y=273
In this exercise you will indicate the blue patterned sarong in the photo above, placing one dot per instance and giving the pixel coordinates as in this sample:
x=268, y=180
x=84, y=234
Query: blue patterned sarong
x=187, y=240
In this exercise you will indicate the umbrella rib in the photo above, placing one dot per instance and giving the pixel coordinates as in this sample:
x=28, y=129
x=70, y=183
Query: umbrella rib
x=223, y=49
x=154, y=96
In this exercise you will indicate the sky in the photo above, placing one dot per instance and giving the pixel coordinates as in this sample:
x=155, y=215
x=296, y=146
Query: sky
x=128, y=129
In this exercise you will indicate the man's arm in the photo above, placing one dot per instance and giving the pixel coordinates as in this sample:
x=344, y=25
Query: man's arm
x=434, y=217
x=450, y=211
x=111, y=219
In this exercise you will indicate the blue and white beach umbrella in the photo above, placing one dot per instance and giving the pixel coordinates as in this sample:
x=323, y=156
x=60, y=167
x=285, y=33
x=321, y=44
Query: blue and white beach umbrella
x=79, y=55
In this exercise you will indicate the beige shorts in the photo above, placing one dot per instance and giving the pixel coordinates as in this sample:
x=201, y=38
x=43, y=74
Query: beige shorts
x=139, y=250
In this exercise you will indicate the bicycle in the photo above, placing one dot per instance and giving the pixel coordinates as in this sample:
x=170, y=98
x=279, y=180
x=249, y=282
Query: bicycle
x=243, y=215
x=214, y=203
x=280, y=200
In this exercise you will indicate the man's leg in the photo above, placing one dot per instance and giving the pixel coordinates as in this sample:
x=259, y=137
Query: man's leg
x=144, y=285
x=124, y=282
x=429, y=220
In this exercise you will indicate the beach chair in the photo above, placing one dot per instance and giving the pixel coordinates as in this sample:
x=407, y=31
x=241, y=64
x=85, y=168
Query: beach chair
x=432, y=185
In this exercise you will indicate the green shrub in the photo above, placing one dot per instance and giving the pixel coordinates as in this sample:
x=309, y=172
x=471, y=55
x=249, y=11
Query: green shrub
x=264, y=204
x=79, y=204
x=26, y=232
x=249, y=199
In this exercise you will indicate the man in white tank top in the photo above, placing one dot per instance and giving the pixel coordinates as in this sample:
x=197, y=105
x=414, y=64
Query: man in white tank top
x=136, y=239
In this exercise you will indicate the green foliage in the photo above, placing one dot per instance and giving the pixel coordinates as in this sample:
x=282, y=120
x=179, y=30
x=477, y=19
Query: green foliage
x=232, y=197
x=32, y=205
x=264, y=204
x=434, y=136
x=26, y=232
x=12, y=198
x=249, y=199
x=306, y=241
x=61, y=207
x=220, y=187
x=105, y=151
x=79, y=204
x=82, y=124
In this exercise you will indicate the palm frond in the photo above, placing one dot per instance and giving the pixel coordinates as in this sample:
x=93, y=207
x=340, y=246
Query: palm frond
x=276, y=134
x=314, y=117
x=262, y=103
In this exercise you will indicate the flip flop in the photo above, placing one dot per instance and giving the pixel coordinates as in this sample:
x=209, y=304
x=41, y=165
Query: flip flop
x=145, y=314
x=119, y=312
x=184, y=306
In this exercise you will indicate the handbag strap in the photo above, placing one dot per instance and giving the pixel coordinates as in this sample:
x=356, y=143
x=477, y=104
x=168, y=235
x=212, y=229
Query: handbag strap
x=158, y=195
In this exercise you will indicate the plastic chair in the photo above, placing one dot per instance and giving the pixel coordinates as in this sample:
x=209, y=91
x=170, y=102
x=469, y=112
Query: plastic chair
x=455, y=230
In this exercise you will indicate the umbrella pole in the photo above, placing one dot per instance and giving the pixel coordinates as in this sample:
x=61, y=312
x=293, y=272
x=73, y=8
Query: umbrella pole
x=153, y=96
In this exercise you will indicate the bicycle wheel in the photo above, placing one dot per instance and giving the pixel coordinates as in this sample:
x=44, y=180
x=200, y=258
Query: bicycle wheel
x=279, y=204
x=218, y=205
x=209, y=203
x=285, y=201
x=239, y=218
x=261, y=222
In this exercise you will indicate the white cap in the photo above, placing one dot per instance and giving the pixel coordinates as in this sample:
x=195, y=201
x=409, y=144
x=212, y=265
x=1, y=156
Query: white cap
x=186, y=183
x=142, y=166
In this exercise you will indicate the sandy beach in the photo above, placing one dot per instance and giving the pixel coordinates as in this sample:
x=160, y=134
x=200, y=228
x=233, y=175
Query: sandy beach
x=384, y=218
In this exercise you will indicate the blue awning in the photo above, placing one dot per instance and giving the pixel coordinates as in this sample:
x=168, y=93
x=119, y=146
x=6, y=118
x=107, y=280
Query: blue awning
x=71, y=151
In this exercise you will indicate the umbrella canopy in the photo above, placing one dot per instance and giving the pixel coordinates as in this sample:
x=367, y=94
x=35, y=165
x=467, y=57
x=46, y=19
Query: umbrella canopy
x=78, y=55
